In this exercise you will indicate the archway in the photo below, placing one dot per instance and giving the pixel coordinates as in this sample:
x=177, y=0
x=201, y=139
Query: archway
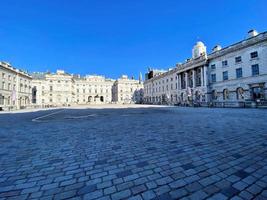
x=101, y=98
x=240, y=93
x=2, y=98
x=225, y=94
x=90, y=99
x=197, y=96
x=34, y=94
x=214, y=94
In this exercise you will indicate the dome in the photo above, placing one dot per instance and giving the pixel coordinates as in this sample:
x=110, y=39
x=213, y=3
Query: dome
x=198, y=50
x=199, y=43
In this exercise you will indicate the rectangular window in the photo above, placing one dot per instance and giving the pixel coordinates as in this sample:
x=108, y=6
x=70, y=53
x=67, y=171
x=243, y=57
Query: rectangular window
x=225, y=75
x=254, y=54
x=213, y=66
x=238, y=59
x=224, y=63
x=255, y=70
x=238, y=72
x=213, y=78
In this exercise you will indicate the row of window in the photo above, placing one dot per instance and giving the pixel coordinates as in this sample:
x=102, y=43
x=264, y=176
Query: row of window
x=239, y=73
x=91, y=90
x=238, y=59
x=14, y=78
x=167, y=80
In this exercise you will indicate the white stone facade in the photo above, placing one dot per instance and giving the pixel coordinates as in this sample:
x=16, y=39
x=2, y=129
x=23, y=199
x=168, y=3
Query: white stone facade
x=162, y=89
x=245, y=73
x=93, y=90
x=54, y=89
x=15, y=88
x=63, y=89
x=233, y=75
x=127, y=90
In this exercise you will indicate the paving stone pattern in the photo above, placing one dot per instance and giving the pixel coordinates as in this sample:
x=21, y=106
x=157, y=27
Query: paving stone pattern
x=136, y=154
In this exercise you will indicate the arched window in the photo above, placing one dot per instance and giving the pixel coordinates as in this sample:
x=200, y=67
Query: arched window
x=214, y=95
x=2, y=99
x=240, y=93
x=225, y=94
x=197, y=96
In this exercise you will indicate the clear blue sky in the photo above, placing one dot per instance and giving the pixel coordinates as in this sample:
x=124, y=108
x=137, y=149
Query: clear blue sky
x=114, y=37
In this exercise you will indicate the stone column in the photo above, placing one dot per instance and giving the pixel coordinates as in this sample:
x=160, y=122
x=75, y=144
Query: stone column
x=17, y=91
x=201, y=76
x=194, y=78
x=186, y=80
x=205, y=76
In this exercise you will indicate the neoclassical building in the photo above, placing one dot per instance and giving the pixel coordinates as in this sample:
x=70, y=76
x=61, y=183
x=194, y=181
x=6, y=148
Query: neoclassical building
x=15, y=88
x=231, y=76
x=64, y=89
x=53, y=88
x=127, y=90
x=93, y=89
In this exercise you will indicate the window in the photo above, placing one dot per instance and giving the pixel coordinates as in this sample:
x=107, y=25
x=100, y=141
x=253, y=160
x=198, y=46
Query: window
x=225, y=75
x=213, y=66
x=255, y=70
x=240, y=93
x=51, y=88
x=225, y=94
x=214, y=95
x=213, y=78
x=254, y=54
x=238, y=72
x=224, y=63
x=2, y=99
x=238, y=59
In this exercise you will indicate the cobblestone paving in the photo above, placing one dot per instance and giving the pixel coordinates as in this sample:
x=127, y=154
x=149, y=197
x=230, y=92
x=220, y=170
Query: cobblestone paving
x=148, y=153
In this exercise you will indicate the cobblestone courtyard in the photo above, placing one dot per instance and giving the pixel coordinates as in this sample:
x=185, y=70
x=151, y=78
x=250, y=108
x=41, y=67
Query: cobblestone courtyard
x=141, y=153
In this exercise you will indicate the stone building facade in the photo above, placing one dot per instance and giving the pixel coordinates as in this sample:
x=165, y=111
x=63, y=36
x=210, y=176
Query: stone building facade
x=63, y=89
x=53, y=89
x=93, y=89
x=127, y=90
x=15, y=88
x=232, y=76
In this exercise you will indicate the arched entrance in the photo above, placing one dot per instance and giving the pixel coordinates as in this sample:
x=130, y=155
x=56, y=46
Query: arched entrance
x=214, y=95
x=240, y=93
x=101, y=98
x=225, y=94
x=90, y=99
x=34, y=94
x=2, y=99
x=197, y=96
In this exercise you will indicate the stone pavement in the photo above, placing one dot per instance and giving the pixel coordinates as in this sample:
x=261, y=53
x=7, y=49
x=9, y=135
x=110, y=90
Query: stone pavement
x=141, y=153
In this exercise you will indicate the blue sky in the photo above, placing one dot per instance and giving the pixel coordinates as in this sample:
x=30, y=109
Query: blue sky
x=114, y=37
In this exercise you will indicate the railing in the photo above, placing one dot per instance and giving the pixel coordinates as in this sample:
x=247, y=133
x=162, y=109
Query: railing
x=239, y=104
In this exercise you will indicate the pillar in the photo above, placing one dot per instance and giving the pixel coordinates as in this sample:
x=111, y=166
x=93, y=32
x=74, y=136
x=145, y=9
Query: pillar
x=201, y=76
x=205, y=76
x=194, y=78
x=186, y=80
